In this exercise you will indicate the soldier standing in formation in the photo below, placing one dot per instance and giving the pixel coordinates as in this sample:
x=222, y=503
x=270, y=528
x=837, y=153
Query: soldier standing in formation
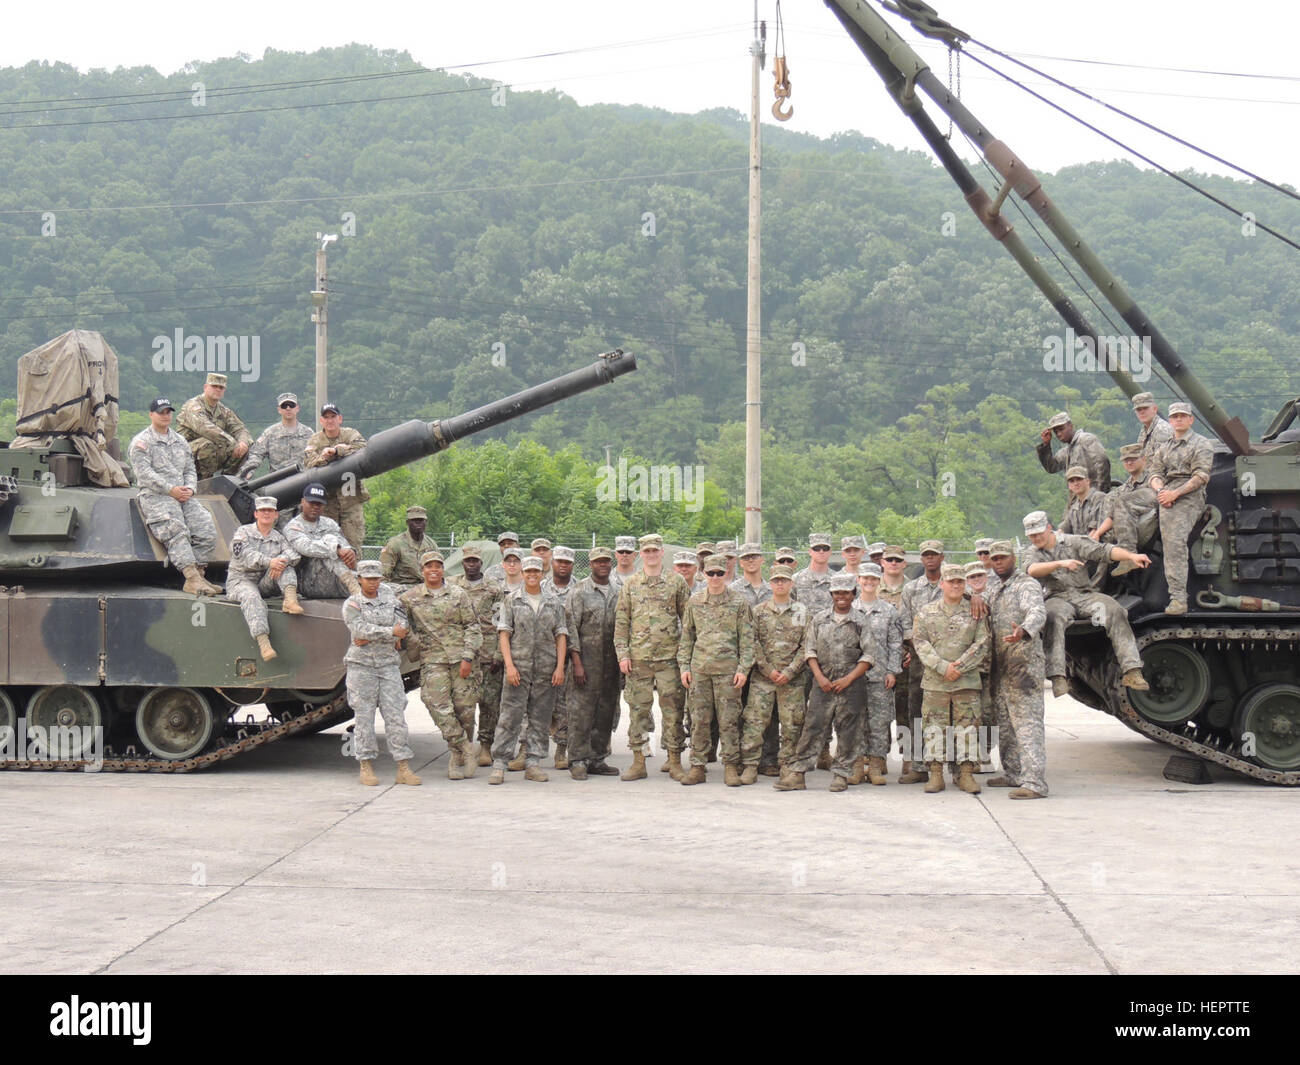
x=893, y=561
x=327, y=559
x=216, y=436
x=750, y=583
x=1017, y=615
x=346, y=502
x=726, y=549
x=685, y=565
x=512, y=569
x=1155, y=430
x=593, y=701
x=400, y=557
x=377, y=622
x=484, y=596
x=886, y=629
x=625, y=557
x=560, y=584
x=541, y=548
x=852, y=548
x=953, y=646
x=447, y=634
x=982, y=547
x=917, y=593
x=282, y=443
x=496, y=571
x=812, y=587
x=977, y=585
x=164, y=470
x=1081, y=449
x=715, y=656
x=1180, y=470
x=261, y=563
x=775, y=686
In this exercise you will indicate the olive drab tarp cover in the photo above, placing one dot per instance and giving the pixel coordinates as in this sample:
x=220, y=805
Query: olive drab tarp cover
x=67, y=389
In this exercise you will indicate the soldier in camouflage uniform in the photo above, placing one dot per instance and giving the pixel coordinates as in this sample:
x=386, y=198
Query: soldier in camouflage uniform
x=686, y=567
x=533, y=634
x=1057, y=562
x=982, y=553
x=646, y=635
x=954, y=647
x=625, y=557
x=327, y=565
x=852, y=548
x=918, y=593
x=980, y=583
x=377, y=622
x=216, y=436
x=886, y=629
x=775, y=685
x=282, y=444
x=1087, y=507
x=1130, y=508
x=837, y=648
x=261, y=563
x=446, y=632
x=893, y=561
x=346, y=502
x=812, y=587
x=559, y=584
x=1155, y=430
x=496, y=571
x=715, y=656
x=592, y=607
x=727, y=549
x=400, y=557
x=484, y=595
x=1180, y=470
x=164, y=470
x=1017, y=615
x=750, y=583
x=541, y=548
x=1081, y=449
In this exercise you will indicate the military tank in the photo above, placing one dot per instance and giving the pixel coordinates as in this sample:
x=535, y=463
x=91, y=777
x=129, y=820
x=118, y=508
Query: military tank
x=106, y=664
x=1224, y=677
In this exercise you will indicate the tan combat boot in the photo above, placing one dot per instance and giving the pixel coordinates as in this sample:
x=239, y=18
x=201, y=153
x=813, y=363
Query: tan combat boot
x=966, y=779
x=824, y=759
x=1134, y=679
x=1060, y=686
x=368, y=774
x=455, y=764
x=673, y=767
x=518, y=763
x=697, y=775
x=859, y=773
x=1000, y=782
x=404, y=774
x=749, y=774
x=876, y=771
x=196, y=585
x=1026, y=793
x=731, y=775
x=469, y=763
x=636, y=771
x=498, y=777
x=839, y=783
x=484, y=753
x=264, y=645
x=203, y=572
x=561, y=756
x=910, y=775
x=1176, y=606
x=769, y=771
x=790, y=781
x=291, y=604
x=350, y=583
x=535, y=773
x=578, y=771
x=935, y=783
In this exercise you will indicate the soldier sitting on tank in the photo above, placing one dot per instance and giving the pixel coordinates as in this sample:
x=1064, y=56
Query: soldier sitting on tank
x=1057, y=561
x=328, y=561
x=261, y=563
x=164, y=470
x=215, y=433
x=282, y=443
x=1130, y=508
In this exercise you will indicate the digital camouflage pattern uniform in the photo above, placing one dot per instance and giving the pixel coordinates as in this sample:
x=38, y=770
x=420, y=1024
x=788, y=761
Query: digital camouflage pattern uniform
x=1082, y=516
x=717, y=643
x=886, y=633
x=1175, y=463
x=813, y=590
x=321, y=571
x=646, y=631
x=445, y=629
x=344, y=503
x=779, y=635
x=162, y=463
x=249, y=578
x=918, y=593
x=754, y=594
x=485, y=595
x=1085, y=450
x=1153, y=435
x=593, y=707
x=838, y=642
x=400, y=560
x=1128, y=505
x=282, y=444
x=532, y=646
x=945, y=635
x=902, y=711
x=560, y=715
x=374, y=678
x=213, y=433
x=1018, y=675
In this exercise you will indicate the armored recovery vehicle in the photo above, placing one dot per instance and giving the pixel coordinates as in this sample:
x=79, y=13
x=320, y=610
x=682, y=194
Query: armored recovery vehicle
x=1224, y=677
x=93, y=638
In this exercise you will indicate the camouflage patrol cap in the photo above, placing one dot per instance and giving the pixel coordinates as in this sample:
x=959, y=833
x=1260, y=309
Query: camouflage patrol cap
x=541, y=542
x=952, y=572
x=870, y=569
x=932, y=547
x=218, y=379
x=1058, y=419
x=471, y=551
x=849, y=542
x=750, y=549
x=982, y=545
x=533, y=562
x=286, y=397
x=1075, y=472
x=562, y=554
x=685, y=558
x=625, y=543
x=1036, y=521
x=433, y=556
x=651, y=540
x=715, y=564
x=878, y=548
x=372, y=568
x=975, y=569
x=782, y=553
x=266, y=503
x=597, y=553
x=1180, y=408
x=893, y=551
x=727, y=548
x=1002, y=547
x=502, y=537
x=705, y=548
x=843, y=582
x=1144, y=399
x=819, y=540
x=314, y=493
x=1130, y=451
x=781, y=573
x=416, y=512
x=512, y=552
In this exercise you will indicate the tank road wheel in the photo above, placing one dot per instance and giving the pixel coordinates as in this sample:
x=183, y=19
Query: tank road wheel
x=64, y=712
x=1180, y=684
x=1271, y=716
x=174, y=723
x=8, y=723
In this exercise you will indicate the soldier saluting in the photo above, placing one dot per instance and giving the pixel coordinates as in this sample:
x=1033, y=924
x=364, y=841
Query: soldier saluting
x=1082, y=448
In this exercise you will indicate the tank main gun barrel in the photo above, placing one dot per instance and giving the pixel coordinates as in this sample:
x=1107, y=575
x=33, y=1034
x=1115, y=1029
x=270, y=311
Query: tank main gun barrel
x=416, y=439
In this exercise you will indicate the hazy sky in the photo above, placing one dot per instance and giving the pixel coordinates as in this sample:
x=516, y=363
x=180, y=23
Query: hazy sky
x=687, y=55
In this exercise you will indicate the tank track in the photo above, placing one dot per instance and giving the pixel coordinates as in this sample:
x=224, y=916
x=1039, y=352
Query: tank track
x=1188, y=737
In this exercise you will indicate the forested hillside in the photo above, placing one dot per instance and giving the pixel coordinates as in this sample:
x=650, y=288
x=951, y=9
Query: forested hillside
x=493, y=238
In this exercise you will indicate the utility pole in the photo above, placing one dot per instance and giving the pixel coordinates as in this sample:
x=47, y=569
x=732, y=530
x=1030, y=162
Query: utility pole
x=754, y=325
x=320, y=315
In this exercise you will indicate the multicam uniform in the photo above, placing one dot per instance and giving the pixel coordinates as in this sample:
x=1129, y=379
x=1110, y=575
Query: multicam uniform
x=446, y=630
x=886, y=629
x=1018, y=674
x=1084, y=449
x=1176, y=462
x=375, y=674
x=593, y=707
x=321, y=574
x=344, y=503
x=646, y=631
x=282, y=444
x=162, y=463
x=717, y=643
x=947, y=635
x=249, y=577
x=902, y=711
x=400, y=561
x=485, y=595
x=838, y=642
x=560, y=715
x=918, y=593
x=779, y=634
x=533, y=648
x=213, y=433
